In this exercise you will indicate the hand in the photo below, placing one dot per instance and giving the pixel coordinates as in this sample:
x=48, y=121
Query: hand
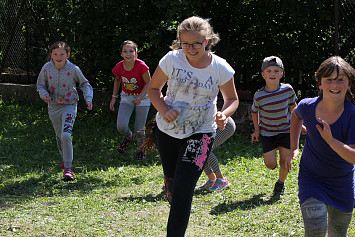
x=325, y=132
x=47, y=99
x=112, y=103
x=137, y=101
x=304, y=130
x=255, y=136
x=291, y=156
x=221, y=120
x=170, y=115
x=89, y=104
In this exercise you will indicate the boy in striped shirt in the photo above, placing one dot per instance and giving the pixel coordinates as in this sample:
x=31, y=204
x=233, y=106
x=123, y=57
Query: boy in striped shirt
x=271, y=113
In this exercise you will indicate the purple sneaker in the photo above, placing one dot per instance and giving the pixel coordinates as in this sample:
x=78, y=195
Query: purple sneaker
x=68, y=175
x=220, y=184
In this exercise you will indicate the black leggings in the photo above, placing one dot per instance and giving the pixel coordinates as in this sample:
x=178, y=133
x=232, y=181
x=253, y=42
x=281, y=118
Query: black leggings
x=183, y=161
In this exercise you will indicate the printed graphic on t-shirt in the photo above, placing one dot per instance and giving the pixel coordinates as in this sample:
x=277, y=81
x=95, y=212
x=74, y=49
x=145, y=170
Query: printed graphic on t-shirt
x=130, y=85
x=196, y=151
x=193, y=98
x=68, y=123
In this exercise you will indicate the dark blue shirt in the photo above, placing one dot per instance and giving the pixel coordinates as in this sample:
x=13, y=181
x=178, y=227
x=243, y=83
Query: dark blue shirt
x=323, y=174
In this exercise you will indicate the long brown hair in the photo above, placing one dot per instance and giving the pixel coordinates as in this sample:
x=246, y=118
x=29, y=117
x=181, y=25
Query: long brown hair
x=148, y=142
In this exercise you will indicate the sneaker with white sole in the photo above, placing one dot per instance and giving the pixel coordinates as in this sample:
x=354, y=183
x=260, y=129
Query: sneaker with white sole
x=206, y=185
x=220, y=184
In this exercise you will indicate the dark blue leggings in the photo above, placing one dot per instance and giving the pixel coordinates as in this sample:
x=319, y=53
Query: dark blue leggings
x=183, y=161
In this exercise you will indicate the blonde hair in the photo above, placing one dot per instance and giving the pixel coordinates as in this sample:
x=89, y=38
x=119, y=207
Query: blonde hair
x=199, y=24
x=335, y=64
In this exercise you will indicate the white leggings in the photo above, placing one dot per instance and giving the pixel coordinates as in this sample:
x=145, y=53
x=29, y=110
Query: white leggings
x=318, y=217
x=63, y=118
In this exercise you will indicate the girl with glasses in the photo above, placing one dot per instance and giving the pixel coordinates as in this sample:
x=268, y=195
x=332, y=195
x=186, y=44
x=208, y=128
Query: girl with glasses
x=187, y=116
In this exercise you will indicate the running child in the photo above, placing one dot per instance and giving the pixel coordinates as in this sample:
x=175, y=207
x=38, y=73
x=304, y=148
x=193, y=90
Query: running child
x=187, y=116
x=326, y=174
x=134, y=76
x=271, y=113
x=56, y=85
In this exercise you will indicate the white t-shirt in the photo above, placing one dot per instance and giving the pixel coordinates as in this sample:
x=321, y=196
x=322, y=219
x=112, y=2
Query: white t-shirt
x=193, y=92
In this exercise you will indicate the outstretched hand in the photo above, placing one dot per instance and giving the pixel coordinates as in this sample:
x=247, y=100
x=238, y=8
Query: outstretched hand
x=325, y=132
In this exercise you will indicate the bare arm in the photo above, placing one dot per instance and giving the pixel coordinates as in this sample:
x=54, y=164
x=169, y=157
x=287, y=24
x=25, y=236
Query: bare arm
x=295, y=131
x=304, y=129
x=116, y=87
x=255, y=135
x=230, y=103
x=347, y=152
x=156, y=97
x=230, y=98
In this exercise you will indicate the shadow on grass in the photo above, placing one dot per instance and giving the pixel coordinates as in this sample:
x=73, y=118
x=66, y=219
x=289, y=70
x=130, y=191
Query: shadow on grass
x=148, y=198
x=248, y=204
x=48, y=185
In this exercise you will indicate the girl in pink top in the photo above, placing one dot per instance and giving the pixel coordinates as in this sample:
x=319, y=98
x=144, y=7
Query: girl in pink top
x=134, y=76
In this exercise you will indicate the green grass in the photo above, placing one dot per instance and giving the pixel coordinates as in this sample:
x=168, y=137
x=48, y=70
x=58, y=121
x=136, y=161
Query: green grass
x=115, y=195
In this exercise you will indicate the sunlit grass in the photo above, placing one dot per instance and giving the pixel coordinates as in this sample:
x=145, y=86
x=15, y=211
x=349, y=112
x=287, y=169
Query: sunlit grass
x=116, y=195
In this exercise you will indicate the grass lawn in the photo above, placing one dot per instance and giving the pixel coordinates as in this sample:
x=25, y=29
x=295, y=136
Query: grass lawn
x=115, y=195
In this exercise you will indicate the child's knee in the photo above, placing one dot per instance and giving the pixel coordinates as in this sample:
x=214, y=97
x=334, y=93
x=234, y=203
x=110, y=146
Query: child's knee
x=122, y=129
x=271, y=166
x=270, y=160
x=65, y=137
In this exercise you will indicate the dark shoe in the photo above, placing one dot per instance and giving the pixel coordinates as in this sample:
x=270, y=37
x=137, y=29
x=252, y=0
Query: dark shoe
x=122, y=147
x=279, y=188
x=140, y=155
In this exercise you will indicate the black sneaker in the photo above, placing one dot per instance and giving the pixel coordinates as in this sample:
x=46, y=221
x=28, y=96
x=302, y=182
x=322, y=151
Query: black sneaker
x=140, y=155
x=279, y=189
x=122, y=147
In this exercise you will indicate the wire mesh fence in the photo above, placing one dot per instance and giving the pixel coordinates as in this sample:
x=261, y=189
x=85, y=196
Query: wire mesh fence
x=18, y=57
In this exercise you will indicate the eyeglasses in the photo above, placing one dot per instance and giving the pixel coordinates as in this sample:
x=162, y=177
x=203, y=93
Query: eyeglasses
x=196, y=45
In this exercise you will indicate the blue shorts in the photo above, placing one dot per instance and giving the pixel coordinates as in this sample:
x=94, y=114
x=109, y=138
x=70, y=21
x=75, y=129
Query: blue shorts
x=273, y=142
